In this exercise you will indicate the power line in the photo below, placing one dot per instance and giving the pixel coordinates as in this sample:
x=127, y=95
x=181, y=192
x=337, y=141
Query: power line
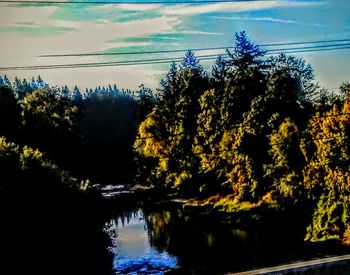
x=196, y=49
x=127, y=2
x=99, y=64
x=316, y=50
x=147, y=61
x=310, y=47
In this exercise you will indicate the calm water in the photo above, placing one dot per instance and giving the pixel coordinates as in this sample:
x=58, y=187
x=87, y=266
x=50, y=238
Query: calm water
x=132, y=249
x=152, y=241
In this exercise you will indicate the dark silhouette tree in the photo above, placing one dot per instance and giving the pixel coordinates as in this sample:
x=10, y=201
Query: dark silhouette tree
x=10, y=118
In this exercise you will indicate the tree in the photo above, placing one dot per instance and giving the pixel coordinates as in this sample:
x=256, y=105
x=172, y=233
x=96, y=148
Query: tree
x=50, y=123
x=10, y=118
x=219, y=72
x=245, y=54
x=237, y=118
x=166, y=135
x=237, y=81
x=326, y=175
x=77, y=98
x=190, y=61
x=288, y=161
x=146, y=101
x=41, y=84
x=4, y=81
x=297, y=69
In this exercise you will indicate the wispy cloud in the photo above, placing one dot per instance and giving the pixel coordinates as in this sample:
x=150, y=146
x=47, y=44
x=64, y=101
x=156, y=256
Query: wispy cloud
x=232, y=7
x=268, y=19
x=126, y=7
x=32, y=30
x=198, y=32
x=87, y=37
x=19, y=15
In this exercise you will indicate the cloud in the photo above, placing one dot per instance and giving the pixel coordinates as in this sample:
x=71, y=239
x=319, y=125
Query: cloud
x=39, y=16
x=267, y=19
x=126, y=7
x=33, y=30
x=198, y=32
x=88, y=37
x=232, y=7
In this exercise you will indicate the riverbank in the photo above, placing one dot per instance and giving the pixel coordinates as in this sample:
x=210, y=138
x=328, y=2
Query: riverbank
x=203, y=240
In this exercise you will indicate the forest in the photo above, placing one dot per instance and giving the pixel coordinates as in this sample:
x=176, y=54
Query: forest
x=256, y=137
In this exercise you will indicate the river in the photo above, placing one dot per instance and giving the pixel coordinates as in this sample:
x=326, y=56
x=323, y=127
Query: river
x=156, y=238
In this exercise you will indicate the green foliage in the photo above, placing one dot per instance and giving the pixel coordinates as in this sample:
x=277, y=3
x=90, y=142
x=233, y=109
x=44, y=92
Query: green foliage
x=287, y=161
x=251, y=137
x=44, y=109
x=326, y=175
x=167, y=134
x=23, y=165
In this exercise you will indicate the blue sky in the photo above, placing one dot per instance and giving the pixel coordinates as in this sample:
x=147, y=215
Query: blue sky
x=27, y=31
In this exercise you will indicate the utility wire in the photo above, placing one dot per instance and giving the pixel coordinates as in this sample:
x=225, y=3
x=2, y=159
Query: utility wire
x=127, y=2
x=103, y=64
x=309, y=47
x=197, y=49
x=316, y=50
x=147, y=61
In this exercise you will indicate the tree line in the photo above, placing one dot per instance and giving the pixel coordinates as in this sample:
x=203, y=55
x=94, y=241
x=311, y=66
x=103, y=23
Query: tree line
x=87, y=133
x=54, y=143
x=258, y=132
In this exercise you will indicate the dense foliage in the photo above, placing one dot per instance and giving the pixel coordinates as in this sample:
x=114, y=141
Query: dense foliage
x=53, y=143
x=256, y=135
x=89, y=133
x=258, y=131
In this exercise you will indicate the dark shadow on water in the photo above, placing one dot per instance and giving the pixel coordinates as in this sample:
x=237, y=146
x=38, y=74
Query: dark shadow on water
x=68, y=233
x=152, y=239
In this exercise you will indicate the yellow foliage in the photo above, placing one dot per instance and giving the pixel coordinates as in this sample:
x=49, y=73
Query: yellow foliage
x=346, y=236
x=3, y=144
x=164, y=164
x=181, y=178
x=148, y=144
x=269, y=198
x=31, y=153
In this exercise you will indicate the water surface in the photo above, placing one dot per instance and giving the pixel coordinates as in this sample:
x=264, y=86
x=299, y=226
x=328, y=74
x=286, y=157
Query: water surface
x=159, y=240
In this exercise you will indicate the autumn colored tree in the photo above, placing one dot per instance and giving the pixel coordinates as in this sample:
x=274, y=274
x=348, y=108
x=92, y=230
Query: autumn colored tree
x=326, y=174
x=166, y=135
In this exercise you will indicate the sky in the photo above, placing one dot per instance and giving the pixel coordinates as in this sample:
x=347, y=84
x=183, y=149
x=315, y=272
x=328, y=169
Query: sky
x=28, y=31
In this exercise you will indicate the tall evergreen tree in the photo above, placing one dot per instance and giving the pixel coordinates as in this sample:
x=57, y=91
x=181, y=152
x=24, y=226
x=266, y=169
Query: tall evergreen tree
x=172, y=126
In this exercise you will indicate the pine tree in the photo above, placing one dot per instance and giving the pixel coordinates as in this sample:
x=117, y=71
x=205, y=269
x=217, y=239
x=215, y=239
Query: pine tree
x=245, y=53
x=219, y=71
x=77, y=98
x=41, y=84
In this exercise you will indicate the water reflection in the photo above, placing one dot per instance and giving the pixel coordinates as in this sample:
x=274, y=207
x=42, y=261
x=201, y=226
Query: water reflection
x=155, y=241
x=132, y=247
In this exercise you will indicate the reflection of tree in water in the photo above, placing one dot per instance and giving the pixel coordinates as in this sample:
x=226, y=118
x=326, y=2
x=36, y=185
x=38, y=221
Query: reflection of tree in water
x=121, y=217
x=128, y=231
x=203, y=243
